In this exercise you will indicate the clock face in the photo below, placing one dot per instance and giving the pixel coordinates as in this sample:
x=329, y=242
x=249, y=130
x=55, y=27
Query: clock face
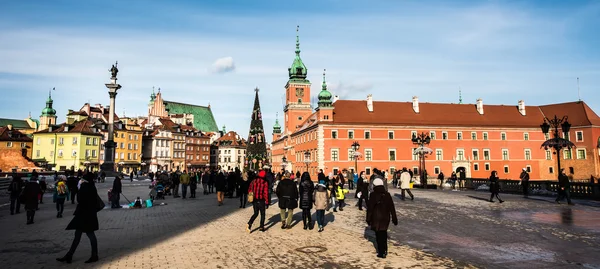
x=299, y=92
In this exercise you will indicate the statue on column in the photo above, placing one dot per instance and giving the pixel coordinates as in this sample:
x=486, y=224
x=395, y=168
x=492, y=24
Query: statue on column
x=113, y=70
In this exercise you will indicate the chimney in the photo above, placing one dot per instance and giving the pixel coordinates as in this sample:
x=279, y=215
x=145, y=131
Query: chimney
x=70, y=120
x=335, y=98
x=66, y=128
x=9, y=126
x=480, y=106
x=416, y=104
x=370, y=102
x=522, y=107
x=50, y=128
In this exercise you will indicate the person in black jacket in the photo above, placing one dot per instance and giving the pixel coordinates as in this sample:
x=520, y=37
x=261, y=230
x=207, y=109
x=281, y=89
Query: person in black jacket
x=495, y=187
x=524, y=176
x=15, y=188
x=205, y=180
x=563, y=187
x=30, y=198
x=175, y=182
x=287, y=193
x=307, y=188
x=362, y=191
x=43, y=187
x=212, y=180
x=221, y=186
x=117, y=188
x=243, y=188
x=85, y=220
x=380, y=208
x=270, y=178
x=72, y=185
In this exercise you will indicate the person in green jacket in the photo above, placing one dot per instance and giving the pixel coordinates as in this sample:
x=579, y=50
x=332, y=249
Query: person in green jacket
x=184, y=179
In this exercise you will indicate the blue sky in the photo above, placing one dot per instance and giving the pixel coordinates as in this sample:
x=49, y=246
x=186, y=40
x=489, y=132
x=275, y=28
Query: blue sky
x=217, y=52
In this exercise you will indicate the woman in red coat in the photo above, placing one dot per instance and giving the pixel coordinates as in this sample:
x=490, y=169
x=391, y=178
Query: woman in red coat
x=380, y=208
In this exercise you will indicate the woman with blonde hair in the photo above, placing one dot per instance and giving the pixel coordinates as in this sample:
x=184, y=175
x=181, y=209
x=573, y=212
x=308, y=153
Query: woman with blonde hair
x=60, y=194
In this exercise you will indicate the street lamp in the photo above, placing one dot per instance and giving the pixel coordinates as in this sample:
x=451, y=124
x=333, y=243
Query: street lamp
x=307, y=159
x=422, y=140
x=283, y=163
x=557, y=143
x=356, y=154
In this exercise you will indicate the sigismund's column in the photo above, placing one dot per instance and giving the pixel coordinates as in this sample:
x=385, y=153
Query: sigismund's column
x=109, y=146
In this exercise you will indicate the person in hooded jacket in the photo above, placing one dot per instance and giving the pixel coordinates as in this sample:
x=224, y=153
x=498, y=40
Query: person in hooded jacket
x=85, y=220
x=30, y=198
x=379, y=210
x=320, y=200
x=362, y=191
x=287, y=193
x=306, y=190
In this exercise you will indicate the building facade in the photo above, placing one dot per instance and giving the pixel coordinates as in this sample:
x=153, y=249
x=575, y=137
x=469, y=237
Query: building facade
x=197, y=149
x=229, y=152
x=474, y=139
x=15, y=149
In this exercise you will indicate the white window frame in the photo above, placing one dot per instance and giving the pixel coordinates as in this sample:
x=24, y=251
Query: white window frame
x=350, y=132
x=459, y=136
x=526, y=136
x=489, y=154
x=528, y=168
x=413, y=134
x=350, y=154
x=368, y=170
x=525, y=154
x=584, y=154
x=432, y=135
x=548, y=153
x=393, y=135
x=485, y=136
x=507, y=155
x=441, y=155
x=37, y=141
x=577, y=136
x=473, y=155
x=475, y=166
x=550, y=170
x=503, y=136
x=436, y=169
x=415, y=157
x=390, y=155
x=371, y=155
x=337, y=151
x=473, y=137
x=458, y=158
x=444, y=135
x=565, y=154
x=37, y=153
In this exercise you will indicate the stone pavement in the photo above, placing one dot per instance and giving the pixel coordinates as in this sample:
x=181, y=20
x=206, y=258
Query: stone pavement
x=196, y=233
x=520, y=233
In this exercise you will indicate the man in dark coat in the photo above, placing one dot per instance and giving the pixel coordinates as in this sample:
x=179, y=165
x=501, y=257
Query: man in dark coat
x=72, y=186
x=15, y=188
x=564, y=187
x=321, y=176
x=231, y=180
x=524, y=176
x=362, y=190
x=271, y=180
x=221, y=186
x=30, y=198
x=379, y=209
x=117, y=188
x=287, y=193
x=85, y=220
x=441, y=178
x=306, y=189
x=175, y=182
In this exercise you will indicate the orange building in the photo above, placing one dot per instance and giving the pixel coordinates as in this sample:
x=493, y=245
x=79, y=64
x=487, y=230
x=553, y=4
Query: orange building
x=474, y=138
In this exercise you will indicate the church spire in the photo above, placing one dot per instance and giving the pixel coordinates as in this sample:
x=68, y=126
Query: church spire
x=298, y=70
x=324, y=95
x=297, y=41
x=459, y=95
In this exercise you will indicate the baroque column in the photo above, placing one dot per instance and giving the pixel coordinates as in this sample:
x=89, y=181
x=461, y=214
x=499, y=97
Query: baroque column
x=109, y=146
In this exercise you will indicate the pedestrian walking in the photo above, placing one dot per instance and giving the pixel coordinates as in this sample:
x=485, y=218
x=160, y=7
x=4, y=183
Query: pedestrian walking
x=85, y=220
x=331, y=189
x=321, y=201
x=453, y=180
x=194, y=183
x=495, y=187
x=564, y=188
x=379, y=210
x=175, y=184
x=405, y=184
x=221, y=187
x=43, y=187
x=72, y=185
x=441, y=178
x=271, y=180
x=211, y=182
x=307, y=187
x=131, y=176
x=341, y=196
x=205, y=180
x=287, y=193
x=350, y=178
x=259, y=191
x=115, y=193
x=30, y=197
x=362, y=192
x=60, y=193
x=243, y=189
x=524, y=176
x=15, y=189
x=184, y=180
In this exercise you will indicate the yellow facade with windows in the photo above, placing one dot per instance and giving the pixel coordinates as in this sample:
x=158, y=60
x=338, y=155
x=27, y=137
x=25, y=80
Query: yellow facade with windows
x=66, y=150
x=128, y=152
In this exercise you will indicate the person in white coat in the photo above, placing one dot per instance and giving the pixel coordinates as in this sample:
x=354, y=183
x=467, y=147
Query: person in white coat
x=405, y=184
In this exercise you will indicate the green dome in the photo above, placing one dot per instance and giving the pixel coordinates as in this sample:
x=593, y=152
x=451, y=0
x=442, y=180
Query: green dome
x=48, y=110
x=276, y=127
x=298, y=69
x=324, y=95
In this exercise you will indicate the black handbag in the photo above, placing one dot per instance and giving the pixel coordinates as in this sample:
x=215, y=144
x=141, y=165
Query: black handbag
x=99, y=203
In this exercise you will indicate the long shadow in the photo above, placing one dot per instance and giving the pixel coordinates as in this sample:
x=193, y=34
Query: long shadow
x=272, y=221
x=538, y=199
x=329, y=217
x=478, y=198
x=369, y=235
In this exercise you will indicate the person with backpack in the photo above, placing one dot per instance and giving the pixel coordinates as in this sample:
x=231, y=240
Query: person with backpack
x=287, y=193
x=321, y=201
x=15, y=188
x=60, y=194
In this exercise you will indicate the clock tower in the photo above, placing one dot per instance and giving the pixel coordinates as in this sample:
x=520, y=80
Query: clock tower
x=297, y=92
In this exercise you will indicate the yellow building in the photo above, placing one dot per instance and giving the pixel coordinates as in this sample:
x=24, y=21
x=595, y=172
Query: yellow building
x=71, y=145
x=128, y=152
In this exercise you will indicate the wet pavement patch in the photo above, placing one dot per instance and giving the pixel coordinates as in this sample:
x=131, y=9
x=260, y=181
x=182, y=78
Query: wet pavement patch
x=311, y=249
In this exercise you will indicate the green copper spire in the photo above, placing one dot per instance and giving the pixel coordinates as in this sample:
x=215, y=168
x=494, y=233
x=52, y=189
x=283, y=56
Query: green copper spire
x=48, y=110
x=324, y=95
x=459, y=95
x=224, y=130
x=298, y=69
x=152, y=96
x=277, y=127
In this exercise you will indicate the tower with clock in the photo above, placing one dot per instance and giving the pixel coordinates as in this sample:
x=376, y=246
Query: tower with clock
x=297, y=91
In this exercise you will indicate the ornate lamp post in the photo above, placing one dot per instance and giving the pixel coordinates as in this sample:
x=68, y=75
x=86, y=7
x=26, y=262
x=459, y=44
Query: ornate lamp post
x=283, y=163
x=422, y=140
x=557, y=143
x=307, y=159
x=109, y=146
x=356, y=154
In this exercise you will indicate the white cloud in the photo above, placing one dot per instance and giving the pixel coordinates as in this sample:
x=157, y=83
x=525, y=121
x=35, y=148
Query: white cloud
x=346, y=90
x=223, y=65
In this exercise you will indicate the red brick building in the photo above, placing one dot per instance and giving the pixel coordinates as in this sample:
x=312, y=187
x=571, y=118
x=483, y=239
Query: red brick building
x=475, y=137
x=197, y=148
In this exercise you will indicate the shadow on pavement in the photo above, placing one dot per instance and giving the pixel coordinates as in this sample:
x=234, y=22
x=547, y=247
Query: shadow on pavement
x=369, y=235
x=329, y=217
x=538, y=199
x=478, y=198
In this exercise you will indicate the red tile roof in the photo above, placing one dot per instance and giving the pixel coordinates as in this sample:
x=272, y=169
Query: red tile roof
x=83, y=126
x=13, y=135
x=463, y=115
x=231, y=138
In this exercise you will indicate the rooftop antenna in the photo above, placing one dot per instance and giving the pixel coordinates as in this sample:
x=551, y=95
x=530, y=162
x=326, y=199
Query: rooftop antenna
x=578, y=90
